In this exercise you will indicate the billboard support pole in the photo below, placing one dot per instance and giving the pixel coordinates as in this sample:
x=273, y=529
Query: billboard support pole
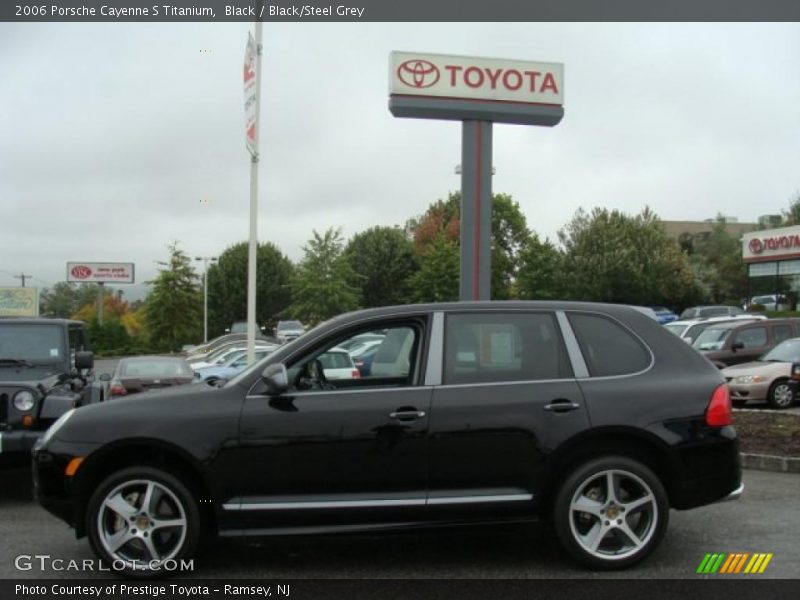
x=100, y=297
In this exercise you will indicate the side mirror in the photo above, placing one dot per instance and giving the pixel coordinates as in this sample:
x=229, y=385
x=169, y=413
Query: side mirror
x=105, y=377
x=737, y=346
x=276, y=379
x=84, y=360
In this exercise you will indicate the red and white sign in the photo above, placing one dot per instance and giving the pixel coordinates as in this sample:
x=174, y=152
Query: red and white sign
x=86, y=272
x=771, y=244
x=250, y=90
x=476, y=78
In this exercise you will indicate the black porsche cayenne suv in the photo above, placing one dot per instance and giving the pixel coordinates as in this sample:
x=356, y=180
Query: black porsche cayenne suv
x=590, y=415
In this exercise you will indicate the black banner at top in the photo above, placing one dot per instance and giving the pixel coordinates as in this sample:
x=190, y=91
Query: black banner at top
x=398, y=11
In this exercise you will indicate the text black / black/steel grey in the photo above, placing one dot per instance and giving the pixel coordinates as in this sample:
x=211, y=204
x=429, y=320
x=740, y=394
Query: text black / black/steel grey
x=590, y=415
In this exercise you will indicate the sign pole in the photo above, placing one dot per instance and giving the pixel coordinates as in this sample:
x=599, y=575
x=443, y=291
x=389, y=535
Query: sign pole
x=251, y=256
x=100, y=299
x=476, y=211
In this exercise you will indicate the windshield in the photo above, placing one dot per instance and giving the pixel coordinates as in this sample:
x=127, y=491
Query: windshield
x=676, y=329
x=287, y=325
x=31, y=343
x=787, y=351
x=712, y=339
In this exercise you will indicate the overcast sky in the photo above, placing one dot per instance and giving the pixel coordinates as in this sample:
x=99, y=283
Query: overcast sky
x=117, y=139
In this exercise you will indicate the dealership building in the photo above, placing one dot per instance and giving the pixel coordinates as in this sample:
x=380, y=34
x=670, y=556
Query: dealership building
x=772, y=257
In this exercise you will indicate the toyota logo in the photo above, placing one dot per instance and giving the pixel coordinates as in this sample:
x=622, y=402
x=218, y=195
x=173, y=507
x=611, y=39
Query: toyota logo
x=756, y=246
x=81, y=272
x=418, y=73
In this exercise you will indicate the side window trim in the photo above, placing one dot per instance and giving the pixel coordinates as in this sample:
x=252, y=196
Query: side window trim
x=433, y=371
x=576, y=359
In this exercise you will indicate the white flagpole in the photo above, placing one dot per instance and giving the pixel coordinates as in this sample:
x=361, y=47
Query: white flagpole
x=251, y=255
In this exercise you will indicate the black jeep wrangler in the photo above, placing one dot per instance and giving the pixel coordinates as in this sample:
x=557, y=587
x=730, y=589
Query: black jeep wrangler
x=45, y=370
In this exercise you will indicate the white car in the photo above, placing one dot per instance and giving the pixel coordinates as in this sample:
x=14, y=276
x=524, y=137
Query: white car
x=337, y=364
x=227, y=355
x=690, y=329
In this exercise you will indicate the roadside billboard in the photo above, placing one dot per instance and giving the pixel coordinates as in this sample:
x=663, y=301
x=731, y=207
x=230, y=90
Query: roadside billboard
x=19, y=302
x=91, y=272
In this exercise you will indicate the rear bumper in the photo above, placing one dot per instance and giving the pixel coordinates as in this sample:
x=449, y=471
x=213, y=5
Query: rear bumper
x=734, y=495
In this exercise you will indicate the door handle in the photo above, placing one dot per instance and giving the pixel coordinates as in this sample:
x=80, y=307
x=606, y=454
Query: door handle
x=407, y=415
x=562, y=405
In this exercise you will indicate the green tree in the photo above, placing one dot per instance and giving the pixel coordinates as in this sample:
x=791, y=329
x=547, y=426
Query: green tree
x=383, y=260
x=718, y=266
x=64, y=299
x=792, y=216
x=173, y=311
x=322, y=286
x=540, y=269
x=509, y=235
x=437, y=278
x=613, y=257
x=227, y=286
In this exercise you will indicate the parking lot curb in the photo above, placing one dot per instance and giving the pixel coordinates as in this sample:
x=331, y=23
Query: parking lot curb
x=766, y=462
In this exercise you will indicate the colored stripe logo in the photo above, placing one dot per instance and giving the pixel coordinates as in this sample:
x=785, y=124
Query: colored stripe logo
x=738, y=562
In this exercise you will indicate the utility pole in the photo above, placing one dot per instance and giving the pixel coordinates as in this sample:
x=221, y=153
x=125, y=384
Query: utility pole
x=23, y=277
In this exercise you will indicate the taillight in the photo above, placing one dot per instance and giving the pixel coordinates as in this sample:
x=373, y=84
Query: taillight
x=117, y=389
x=356, y=374
x=718, y=413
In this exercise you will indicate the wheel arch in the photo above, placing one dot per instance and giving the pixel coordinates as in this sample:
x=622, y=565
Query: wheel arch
x=132, y=452
x=612, y=441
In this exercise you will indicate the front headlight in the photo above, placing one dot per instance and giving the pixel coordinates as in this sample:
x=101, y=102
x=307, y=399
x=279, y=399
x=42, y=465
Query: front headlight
x=24, y=400
x=749, y=379
x=55, y=427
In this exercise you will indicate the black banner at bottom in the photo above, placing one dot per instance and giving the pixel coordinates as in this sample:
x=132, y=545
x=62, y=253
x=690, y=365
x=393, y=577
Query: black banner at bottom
x=407, y=589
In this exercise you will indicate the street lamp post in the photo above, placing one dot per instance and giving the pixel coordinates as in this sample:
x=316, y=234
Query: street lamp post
x=206, y=260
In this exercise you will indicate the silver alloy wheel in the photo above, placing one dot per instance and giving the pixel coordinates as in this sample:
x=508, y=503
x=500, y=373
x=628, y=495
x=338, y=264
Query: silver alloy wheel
x=142, y=524
x=782, y=395
x=613, y=514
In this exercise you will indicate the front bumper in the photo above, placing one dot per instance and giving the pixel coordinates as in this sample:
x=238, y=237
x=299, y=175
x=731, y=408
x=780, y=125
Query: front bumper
x=748, y=391
x=18, y=442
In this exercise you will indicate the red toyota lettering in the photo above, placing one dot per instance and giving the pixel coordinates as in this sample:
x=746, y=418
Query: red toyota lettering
x=473, y=71
x=454, y=69
x=549, y=83
x=507, y=79
x=532, y=75
x=493, y=76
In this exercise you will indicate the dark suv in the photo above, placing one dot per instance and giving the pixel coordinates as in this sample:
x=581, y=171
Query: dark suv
x=44, y=372
x=734, y=343
x=591, y=415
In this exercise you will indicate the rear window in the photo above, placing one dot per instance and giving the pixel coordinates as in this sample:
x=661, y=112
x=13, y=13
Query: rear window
x=608, y=348
x=155, y=368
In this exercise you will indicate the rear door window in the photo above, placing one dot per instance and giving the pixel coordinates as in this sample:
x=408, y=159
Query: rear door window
x=608, y=347
x=753, y=337
x=502, y=347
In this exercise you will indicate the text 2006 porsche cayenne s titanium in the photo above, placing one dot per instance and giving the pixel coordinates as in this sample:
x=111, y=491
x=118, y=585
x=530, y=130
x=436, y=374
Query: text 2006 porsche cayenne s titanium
x=590, y=415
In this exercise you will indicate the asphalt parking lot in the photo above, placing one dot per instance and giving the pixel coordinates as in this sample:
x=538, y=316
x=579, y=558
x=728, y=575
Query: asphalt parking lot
x=764, y=520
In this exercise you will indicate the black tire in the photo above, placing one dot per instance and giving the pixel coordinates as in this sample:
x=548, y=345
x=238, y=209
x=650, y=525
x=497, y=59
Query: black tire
x=780, y=395
x=172, y=503
x=587, y=486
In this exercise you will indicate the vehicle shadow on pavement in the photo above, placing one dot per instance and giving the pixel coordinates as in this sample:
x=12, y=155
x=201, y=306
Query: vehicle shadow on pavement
x=17, y=486
x=501, y=551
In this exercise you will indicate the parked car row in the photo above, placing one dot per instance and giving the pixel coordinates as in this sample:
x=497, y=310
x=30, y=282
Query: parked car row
x=756, y=354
